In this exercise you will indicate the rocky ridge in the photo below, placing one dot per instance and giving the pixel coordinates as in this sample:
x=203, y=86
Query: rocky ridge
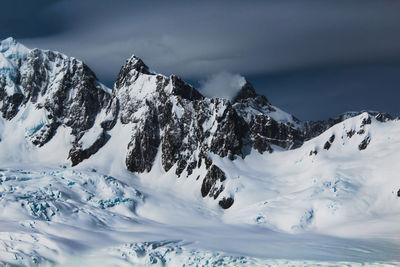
x=166, y=115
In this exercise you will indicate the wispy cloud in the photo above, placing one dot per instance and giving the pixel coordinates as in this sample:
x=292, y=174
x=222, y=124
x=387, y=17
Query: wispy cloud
x=224, y=85
x=196, y=38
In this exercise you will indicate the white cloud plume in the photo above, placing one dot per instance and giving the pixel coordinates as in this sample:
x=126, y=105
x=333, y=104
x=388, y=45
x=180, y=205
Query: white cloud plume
x=224, y=85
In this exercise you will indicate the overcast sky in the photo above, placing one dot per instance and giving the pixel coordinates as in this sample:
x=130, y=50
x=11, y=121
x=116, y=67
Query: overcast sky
x=312, y=58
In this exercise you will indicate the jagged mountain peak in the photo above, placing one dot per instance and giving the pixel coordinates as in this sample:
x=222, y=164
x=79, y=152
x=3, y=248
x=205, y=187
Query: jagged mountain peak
x=12, y=49
x=7, y=43
x=45, y=91
x=247, y=91
x=8, y=40
x=134, y=67
x=130, y=71
x=136, y=80
x=137, y=64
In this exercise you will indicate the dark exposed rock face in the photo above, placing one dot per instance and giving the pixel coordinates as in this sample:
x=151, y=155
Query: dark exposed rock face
x=174, y=116
x=383, y=117
x=351, y=133
x=112, y=111
x=366, y=121
x=130, y=71
x=261, y=144
x=142, y=149
x=226, y=203
x=77, y=154
x=313, y=152
x=45, y=133
x=73, y=97
x=332, y=138
x=327, y=145
x=182, y=89
x=363, y=145
x=329, y=142
x=248, y=92
x=11, y=105
x=273, y=132
x=263, y=129
x=231, y=130
x=64, y=89
x=210, y=185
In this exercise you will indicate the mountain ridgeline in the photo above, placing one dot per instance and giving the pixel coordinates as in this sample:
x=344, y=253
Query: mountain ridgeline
x=169, y=119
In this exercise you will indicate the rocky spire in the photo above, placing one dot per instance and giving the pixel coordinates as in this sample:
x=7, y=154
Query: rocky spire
x=247, y=91
x=130, y=71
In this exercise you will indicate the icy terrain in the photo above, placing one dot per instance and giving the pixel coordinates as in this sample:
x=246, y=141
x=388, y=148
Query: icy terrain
x=336, y=207
x=153, y=173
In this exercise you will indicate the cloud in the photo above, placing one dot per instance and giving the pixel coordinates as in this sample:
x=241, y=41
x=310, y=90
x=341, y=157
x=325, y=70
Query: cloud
x=29, y=19
x=223, y=85
x=327, y=92
x=194, y=39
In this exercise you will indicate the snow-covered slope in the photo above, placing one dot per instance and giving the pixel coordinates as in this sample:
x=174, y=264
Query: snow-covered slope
x=152, y=172
x=46, y=96
x=336, y=207
x=345, y=177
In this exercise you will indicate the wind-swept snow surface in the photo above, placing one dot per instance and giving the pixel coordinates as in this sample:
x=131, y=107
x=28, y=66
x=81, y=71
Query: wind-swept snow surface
x=72, y=217
x=336, y=207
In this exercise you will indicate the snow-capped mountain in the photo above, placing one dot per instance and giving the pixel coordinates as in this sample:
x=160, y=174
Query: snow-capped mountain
x=43, y=91
x=261, y=165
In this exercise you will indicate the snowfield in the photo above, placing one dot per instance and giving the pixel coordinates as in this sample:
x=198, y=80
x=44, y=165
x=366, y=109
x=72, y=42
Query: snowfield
x=302, y=207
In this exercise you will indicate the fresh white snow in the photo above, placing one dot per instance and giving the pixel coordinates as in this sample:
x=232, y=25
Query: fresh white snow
x=336, y=207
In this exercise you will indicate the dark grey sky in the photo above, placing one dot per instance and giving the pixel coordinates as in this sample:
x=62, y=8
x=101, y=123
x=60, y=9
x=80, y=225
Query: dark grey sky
x=312, y=58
